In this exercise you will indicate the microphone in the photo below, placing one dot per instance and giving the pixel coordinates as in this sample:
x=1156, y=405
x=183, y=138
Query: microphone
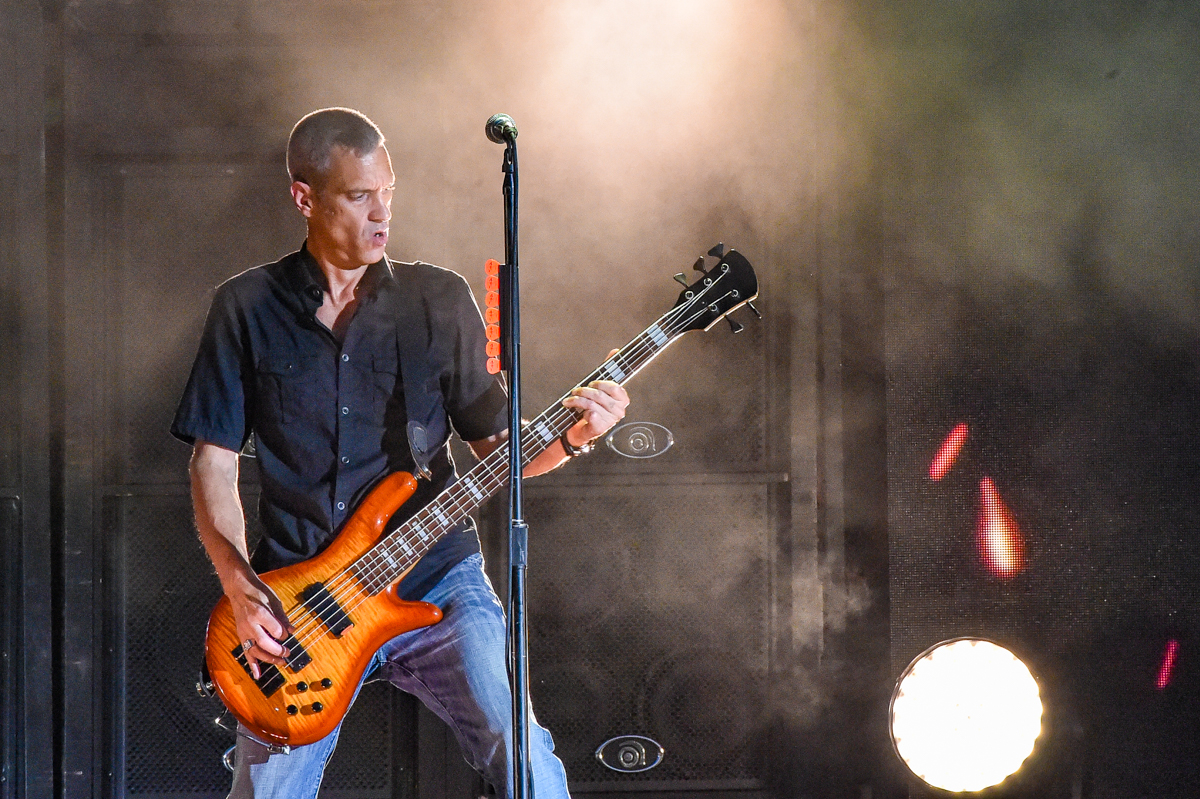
x=500, y=128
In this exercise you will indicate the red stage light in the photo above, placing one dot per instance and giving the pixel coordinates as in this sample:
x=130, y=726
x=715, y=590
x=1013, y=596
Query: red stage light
x=948, y=452
x=999, y=538
x=1167, y=670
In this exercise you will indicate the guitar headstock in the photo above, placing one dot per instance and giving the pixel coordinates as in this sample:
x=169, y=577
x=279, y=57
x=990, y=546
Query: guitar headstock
x=720, y=290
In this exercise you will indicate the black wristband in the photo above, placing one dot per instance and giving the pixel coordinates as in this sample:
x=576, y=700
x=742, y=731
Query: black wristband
x=572, y=450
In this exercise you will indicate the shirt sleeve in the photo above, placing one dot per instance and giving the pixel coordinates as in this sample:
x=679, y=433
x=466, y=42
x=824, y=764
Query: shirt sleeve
x=475, y=399
x=213, y=406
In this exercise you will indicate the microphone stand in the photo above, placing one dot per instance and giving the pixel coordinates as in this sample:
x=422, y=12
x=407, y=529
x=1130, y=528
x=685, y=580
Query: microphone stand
x=518, y=531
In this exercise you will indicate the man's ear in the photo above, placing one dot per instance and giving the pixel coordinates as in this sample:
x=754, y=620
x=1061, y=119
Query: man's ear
x=303, y=196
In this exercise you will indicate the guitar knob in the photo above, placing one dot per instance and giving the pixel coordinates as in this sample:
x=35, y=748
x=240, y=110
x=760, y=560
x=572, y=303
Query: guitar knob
x=734, y=326
x=317, y=707
x=326, y=683
x=750, y=305
x=292, y=710
x=699, y=265
x=681, y=279
x=301, y=686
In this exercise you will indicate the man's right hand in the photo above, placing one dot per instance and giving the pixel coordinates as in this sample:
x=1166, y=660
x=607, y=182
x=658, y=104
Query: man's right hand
x=260, y=618
x=257, y=612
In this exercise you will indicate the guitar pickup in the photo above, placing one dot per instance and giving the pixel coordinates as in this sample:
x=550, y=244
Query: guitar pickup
x=270, y=679
x=322, y=605
x=297, y=657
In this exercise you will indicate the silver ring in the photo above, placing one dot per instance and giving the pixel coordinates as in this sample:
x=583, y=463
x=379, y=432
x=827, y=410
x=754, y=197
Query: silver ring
x=247, y=645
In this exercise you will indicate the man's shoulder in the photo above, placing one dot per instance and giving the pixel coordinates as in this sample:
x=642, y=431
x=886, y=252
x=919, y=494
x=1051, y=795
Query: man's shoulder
x=435, y=283
x=425, y=273
x=258, y=281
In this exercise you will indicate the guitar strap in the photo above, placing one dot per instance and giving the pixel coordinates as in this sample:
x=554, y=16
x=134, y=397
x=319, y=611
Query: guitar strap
x=420, y=391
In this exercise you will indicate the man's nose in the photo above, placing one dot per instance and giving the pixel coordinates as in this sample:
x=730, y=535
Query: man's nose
x=381, y=211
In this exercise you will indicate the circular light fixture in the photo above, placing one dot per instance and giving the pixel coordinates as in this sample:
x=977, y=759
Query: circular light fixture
x=965, y=714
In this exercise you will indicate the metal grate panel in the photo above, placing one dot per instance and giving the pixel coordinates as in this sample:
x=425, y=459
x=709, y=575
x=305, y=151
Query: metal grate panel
x=171, y=745
x=650, y=616
x=167, y=274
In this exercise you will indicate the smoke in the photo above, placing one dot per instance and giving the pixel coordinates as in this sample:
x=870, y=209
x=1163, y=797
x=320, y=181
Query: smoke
x=991, y=148
x=1004, y=135
x=648, y=132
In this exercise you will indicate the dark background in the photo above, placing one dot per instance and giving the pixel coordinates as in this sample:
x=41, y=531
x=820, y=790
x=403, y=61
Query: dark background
x=958, y=212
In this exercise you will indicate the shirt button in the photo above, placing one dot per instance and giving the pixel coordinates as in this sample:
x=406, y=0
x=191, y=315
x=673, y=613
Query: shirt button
x=345, y=410
x=345, y=459
x=341, y=506
x=345, y=357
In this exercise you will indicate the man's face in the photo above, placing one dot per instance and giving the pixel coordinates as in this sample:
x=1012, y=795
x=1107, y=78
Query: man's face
x=348, y=215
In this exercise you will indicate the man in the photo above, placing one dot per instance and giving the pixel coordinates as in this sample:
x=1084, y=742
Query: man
x=324, y=356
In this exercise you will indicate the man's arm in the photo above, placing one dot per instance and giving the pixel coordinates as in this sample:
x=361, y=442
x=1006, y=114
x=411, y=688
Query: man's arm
x=600, y=404
x=221, y=524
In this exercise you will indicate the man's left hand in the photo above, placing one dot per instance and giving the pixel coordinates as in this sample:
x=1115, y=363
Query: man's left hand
x=601, y=404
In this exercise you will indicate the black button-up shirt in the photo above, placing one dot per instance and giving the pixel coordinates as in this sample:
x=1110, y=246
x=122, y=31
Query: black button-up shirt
x=328, y=417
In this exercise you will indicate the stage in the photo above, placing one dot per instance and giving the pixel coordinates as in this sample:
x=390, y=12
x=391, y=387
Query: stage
x=971, y=406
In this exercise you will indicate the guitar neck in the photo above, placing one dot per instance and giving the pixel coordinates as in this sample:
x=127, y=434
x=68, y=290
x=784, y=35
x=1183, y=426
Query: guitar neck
x=399, y=550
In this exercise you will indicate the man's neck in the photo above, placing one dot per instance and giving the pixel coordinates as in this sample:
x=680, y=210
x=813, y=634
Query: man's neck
x=340, y=281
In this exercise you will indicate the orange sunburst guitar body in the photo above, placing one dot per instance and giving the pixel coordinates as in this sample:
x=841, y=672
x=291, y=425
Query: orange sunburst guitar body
x=302, y=705
x=343, y=602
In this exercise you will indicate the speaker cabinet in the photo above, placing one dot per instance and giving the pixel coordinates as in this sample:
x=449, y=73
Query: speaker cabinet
x=651, y=616
x=167, y=742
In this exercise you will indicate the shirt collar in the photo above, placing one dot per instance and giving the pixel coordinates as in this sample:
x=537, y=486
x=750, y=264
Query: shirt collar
x=308, y=281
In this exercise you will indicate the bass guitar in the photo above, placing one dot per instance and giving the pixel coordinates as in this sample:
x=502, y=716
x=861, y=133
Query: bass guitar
x=343, y=603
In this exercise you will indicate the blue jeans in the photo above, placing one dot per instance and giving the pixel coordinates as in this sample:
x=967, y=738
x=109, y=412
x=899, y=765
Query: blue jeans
x=457, y=668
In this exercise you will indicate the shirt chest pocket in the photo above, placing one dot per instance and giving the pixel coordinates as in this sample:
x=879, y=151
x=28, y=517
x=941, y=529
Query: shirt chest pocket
x=386, y=385
x=291, y=388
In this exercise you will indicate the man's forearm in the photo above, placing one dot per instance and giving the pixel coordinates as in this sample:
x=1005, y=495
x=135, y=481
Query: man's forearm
x=220, y=521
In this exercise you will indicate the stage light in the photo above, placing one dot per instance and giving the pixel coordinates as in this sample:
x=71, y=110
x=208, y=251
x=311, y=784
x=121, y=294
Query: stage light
x=965, y=715
x=1000, y=542
x=1167, y=670
x=947, y=453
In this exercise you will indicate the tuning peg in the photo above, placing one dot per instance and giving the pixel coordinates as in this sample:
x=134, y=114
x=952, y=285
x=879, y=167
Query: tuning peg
x=733, y=325
x=699, y=265
x=718, y=251
x=750, y=305
x=681, y=279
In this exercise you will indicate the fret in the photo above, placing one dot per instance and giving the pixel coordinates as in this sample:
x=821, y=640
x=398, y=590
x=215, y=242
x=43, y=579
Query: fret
x=369, y=577
x=543, y=431
x=470, y=486
x=614, y=372
x=437, y=513
x=657, y=335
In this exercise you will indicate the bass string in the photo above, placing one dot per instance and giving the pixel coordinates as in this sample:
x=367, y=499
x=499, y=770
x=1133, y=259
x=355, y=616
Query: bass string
x=374, y=564
x=456, y=505
x=637, y=348
x=560, y=419
x=492, y=482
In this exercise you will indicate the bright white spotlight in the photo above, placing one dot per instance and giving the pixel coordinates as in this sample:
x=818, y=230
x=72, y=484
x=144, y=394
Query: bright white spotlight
x=965, y=714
